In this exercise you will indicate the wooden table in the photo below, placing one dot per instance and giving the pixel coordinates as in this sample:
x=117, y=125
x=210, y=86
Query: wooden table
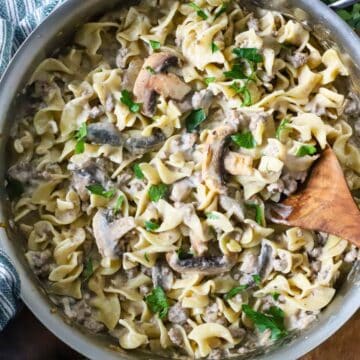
x=26, y=339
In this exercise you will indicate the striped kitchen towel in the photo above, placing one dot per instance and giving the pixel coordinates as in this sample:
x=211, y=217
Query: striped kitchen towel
x=17, y=19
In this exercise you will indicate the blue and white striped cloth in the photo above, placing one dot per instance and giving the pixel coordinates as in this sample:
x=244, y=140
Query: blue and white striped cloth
x=17, y=19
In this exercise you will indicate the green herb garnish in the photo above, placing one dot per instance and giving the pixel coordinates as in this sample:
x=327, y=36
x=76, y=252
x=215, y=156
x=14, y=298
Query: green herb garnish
x=275, y=295
x=80, y=136
x=151, y=225
x=98, y=189
x=236, y=72
x=244, y=91
x=259, y=213
x=157, y=192
x=257, y=279
x=214, y=47
x=146, y=257
x=306, y=150
x=234, y=291
x=199, y=11
x=118, y=204
x=195, y=118
x=249, y=54
x=158, y=302
x=273, y=320
x=222, y=9
x=126, y=99
x=209, y=80
x=351, y=15
x=155, y=45
x=138, y=172
x=244, y=140
x=212, y=216
x=150, y=70
x=283, y=126
x=183, y=254
x=88, y=269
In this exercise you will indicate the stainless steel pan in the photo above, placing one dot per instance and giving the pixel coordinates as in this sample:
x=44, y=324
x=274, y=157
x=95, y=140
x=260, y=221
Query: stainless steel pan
x=56, y=31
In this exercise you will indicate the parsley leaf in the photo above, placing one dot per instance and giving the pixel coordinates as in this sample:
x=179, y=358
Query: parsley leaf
x=222, y=9
x=80, y=136
x=273, y=320
x=119, y=202
x=151, y=225
x=155, y=45
x=158, y=302
x=214, y=47
x=234, y=291
x=138, y=172
x=195, y=118
x=259, y=213
x=88, y=269
x=245, y=140
x=306, y=150
x=209, y=80
x=199, y=11
x=126, y=99
x=157, y=192
x=183, y=254
x=150, y=70
x=211, y=216
x=247, y=101
x=250, y=54
x=282, y=127
x=236, y=72
x=146, y=257
x=257, y=279
x=98, y=189
x=275, y=295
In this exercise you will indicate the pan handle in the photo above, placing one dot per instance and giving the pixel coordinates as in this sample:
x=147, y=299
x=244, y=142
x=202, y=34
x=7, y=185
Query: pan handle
x=340, y=4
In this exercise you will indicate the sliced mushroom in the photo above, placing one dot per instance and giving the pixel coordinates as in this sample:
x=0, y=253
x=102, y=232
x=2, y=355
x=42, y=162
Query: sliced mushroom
x=142, y=144
x=162, y=275
x=204, y=265
x=109, y=231
x=213, y=168
x=265, y=264
x=151, y=81
x=104, y=133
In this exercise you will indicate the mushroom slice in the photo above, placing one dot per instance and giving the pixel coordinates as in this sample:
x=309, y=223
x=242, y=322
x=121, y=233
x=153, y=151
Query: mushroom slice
x=104, y=133
x=204, y=265
x=151, y=83
x=265, y=265
x=162, y=275
x=142, y=144
x=213, y=167
x=108, y=232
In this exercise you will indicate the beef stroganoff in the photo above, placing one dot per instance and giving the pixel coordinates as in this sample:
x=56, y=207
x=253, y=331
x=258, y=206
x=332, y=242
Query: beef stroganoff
x=150, y=154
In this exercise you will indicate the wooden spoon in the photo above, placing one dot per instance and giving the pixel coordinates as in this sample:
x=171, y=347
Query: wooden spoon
x=325, y=204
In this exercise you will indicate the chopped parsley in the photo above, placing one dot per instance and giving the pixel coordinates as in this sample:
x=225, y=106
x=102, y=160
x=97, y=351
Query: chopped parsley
x=306, y=150
x=151, y=225
x=222, y=9
x=158, y=302
x=80, y=136
x=259, y=213
x=146, y=257
x=183, y=254
x=98, y=189
x=157, y=192
x=150, y=70
x=236, y=72
x=199, y=11
x=273, y=320
x=126, y=99
x=88, y=269
x=211, y=216
x=195, y=118
x=282, y=127
x=234, y=291
x=118, y=204
x=138, y=172
x=244, y=140
x=249, y=54
x=209, y=80
x=155, y=45
x=244, y=91
x=275, y=295
x=257, y=279
x=214, y=47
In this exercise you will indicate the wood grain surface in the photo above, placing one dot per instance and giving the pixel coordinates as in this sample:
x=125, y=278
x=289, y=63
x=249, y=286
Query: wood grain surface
x=26, y=339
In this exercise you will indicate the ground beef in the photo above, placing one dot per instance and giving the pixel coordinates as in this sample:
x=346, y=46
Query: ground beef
x=297, y=59
x=40, y=262
x=177, y=314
